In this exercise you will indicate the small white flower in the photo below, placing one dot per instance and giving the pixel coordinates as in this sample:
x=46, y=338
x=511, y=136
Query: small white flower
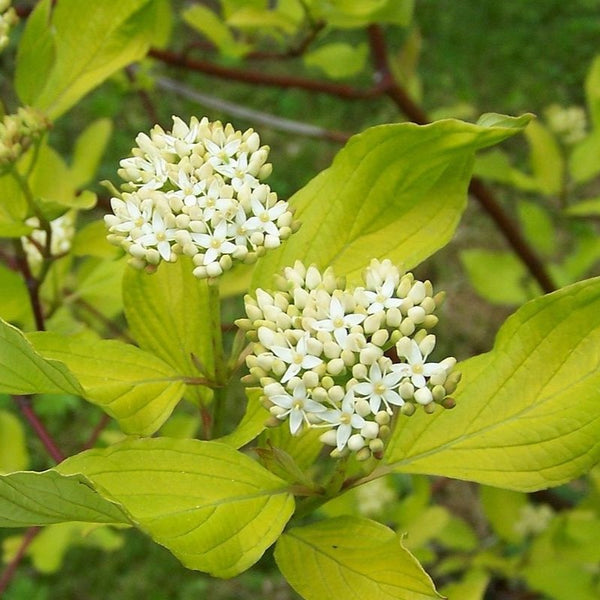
x=223, y=153
x=379, y=388
x=416, y=369
x=345, y=419
x=383, y=297
x=237, y=171
x=297, y=358
x=338, y=322
x=157, y=235
x=215, y=243
x=132, y=214
x=297, y=406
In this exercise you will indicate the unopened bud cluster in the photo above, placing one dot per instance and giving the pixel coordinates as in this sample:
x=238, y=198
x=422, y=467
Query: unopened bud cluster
x=347, y=360
x=197, y=191
x=8, y=18
x=62, y=231
x=17, y=132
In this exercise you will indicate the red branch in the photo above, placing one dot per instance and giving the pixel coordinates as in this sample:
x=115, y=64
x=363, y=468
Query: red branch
x=12, y=566
x=24, y=404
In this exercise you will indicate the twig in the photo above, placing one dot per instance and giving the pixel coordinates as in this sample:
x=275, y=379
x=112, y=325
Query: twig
x=24, y=404
x=12, y=566
x=250, y=114
x=144, y=97
x=262, y=78
x=102, y=423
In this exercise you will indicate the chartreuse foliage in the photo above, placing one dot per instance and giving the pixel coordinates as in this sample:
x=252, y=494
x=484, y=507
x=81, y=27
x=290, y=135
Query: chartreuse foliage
x=69, y=49
x=350, y=556
x=526, y=414
x=394, y=191
x=135, y=387
x=528, y=417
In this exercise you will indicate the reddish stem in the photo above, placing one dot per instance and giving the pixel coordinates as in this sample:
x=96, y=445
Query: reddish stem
x=24, y=404
x=12, y=566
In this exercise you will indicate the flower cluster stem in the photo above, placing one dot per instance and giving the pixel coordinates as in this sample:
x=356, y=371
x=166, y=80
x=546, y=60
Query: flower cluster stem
x=220, y=374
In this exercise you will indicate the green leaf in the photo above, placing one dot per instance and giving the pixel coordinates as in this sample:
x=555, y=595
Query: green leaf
x=208, y=23
x=36, y=53
x=14, y=303
x=584, y=162
x=537, y=226
x=527, y=413
x=214, y=508
x=135, y=387
x=168, y=314
x=251, y=425
x=352, y=14
x=471, y=587
x=394, y=191
x=261, y=19
x=495, y=166
x=13, y=449
x=545, y=157
x=585, y=208
x=592, y=91
x=90, y=240
x=338, y=60
x=351, y=557
x=13, y=209
x=28, y=498
x=99, y=287
x=499, y=277
x=91, y=40
x=52, y=182
x=24, y=371
x=503, y=510
x=88, y=151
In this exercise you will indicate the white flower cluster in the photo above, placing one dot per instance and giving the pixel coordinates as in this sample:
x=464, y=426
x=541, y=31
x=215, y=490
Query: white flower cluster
x=62, y=231
x=8, y=18
x=344, y=359
x=569, y=123
x=17, y=132
x=197, y=191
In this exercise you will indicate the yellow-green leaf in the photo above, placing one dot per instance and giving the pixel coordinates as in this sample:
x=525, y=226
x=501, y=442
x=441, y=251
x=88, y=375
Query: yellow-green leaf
x=24, y=371
x=168, y=314
x=214, y=508
x=80, y=44
x=351, y=557
x=394, y=191
x=28, y=498
x=528, y=412
x=135, y=387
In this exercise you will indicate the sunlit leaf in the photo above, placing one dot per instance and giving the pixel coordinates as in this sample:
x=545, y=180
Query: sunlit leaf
x=351, y=557
x=24, y=371
x=395, y=191
x=135, y=387
x=81, y=44
x=527, y=414
x=214, y=508
x=168, y=314
x=28, y=498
